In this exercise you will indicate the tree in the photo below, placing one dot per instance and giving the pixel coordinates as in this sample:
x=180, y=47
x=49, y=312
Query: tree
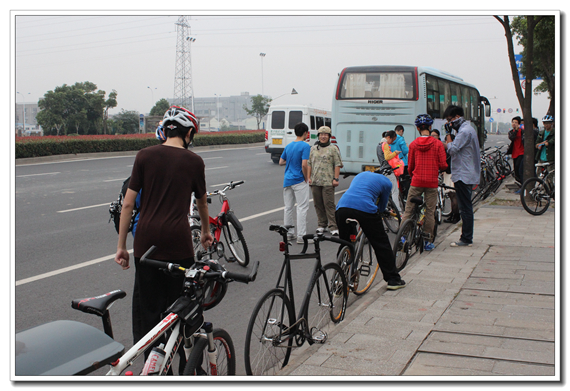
x=525, y=100
x=109, y=103
x=259, y=108
x=80, y=107
x=160, y=107
x=126, y=122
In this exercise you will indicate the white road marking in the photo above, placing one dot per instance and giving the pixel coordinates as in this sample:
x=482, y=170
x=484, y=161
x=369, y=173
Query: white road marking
x=109, y=257
x=85, y=207
x=47, y=173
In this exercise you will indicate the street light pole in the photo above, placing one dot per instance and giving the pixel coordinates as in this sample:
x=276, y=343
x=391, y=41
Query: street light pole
x=190, y=41
x=262, y=55
x=293, y=92
x=151, y=96
x=218, y=109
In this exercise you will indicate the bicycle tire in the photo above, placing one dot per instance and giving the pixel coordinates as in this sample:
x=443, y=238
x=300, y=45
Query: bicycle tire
x=392, y=222
x=343, y=259
x=402, y=249
x=198, y=362
x=327, y=302
x=236, y=243
x=196, y=232
x=261, y=354
x=535, y=196
x=446, y=201
x=366, y=265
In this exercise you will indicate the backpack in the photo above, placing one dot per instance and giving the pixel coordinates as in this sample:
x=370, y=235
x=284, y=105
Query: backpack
x=116, y=207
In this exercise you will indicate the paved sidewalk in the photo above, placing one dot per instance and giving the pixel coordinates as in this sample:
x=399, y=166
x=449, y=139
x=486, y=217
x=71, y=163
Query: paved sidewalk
x=485, y=310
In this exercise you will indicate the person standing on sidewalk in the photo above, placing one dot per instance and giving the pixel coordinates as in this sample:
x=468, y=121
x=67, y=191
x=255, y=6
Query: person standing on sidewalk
x=399, y=144
x=425, y=160
x=545, y=142
x=465, y=167
x=324, y=171
x=516, y=148
x=366, y=196
x=295, y=158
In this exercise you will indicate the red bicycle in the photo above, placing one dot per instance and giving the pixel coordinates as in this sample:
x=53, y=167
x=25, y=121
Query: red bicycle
x=226, y=222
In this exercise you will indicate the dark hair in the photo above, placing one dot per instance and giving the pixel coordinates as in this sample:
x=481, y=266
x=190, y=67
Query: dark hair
x=518, y=119
x=436, y=131
x=391, y=134
x=384, y=134
x=301, y=128
x=453, y=111
x=177, y=131
x=399, y=127
x=535, y=122
x=423, y=127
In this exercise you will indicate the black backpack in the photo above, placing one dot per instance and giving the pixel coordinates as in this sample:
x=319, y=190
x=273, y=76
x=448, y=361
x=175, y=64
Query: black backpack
x=116, y=207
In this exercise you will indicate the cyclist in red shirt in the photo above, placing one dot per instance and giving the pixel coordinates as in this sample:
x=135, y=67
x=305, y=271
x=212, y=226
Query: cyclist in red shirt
x=425, y=160
x=517, y=147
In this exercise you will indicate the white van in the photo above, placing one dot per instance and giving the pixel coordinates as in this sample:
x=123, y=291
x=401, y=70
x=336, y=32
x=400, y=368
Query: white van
x=281, y=121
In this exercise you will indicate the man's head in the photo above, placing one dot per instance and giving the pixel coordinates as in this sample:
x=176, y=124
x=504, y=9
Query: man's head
x=179, y=122
x=516, y=122
x=548, y=122
x=423, y=122
x=301, y=129
x=324, y=134
x=399, y=129
x=453, y=112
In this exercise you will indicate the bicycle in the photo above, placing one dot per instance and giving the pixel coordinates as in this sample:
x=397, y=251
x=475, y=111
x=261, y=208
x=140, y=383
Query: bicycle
x=411, y=236
x=443, y=206
x=273, y=326
x=226, y=222
x=357, y=259
x=536, y=193
x=72, y=348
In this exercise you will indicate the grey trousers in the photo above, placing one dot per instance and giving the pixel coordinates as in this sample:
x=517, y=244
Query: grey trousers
x=323, y=197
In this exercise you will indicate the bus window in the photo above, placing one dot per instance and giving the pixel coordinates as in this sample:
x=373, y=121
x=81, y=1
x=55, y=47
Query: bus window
x=320, y=122
x=432, y=97
x=312, y=122
x=278, y=120
x=466, y=98
x=382, y=85
x=328, y=122
x=446, y=89
x=294, y=118
x=474, y=104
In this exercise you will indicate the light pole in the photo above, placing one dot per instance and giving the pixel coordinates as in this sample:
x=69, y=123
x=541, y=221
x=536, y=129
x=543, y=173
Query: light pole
x=262, y=55
x=23, y=109
x=152, y=96
x=190, y=41
x=293, y=92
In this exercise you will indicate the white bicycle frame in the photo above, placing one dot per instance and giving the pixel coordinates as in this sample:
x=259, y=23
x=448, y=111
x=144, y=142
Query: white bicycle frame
x=170, y=322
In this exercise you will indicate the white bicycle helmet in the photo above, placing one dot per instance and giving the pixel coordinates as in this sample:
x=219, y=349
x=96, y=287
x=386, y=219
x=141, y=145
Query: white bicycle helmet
x=548, y=118
x=182, y=117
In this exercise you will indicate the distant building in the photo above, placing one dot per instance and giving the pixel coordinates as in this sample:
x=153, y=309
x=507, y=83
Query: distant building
x=31, y=126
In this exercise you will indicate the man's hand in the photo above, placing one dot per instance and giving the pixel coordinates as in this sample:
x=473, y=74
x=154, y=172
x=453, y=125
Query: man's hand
x=206, y=239
x=122, y=258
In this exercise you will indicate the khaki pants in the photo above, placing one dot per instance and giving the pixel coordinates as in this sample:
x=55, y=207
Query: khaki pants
x=323, y=197
x=430, y=199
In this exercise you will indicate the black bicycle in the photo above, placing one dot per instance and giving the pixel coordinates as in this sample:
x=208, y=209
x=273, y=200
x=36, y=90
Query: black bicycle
x=273, y=327
x=536, y=193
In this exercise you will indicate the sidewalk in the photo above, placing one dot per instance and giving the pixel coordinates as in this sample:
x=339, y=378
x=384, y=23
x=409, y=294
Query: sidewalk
x=486, y=310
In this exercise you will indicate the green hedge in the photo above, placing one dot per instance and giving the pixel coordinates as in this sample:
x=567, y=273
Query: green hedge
x=44, y=146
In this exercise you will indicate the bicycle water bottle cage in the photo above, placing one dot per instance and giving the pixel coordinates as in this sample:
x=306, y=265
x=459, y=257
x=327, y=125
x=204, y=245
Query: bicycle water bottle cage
x=419, y=201
x=97, y=305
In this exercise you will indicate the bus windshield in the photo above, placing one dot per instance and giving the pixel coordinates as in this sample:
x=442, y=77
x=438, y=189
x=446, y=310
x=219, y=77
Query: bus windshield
x=379, y=85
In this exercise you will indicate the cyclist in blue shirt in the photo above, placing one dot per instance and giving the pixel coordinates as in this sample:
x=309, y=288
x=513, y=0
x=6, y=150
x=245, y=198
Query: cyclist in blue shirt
x=295, y=158
x=366, y=197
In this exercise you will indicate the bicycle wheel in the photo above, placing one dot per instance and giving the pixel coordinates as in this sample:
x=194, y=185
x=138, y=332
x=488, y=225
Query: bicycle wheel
x=343, y=259
x=196, y=231
x=366, y=265
x=327, y=302
x=392, y=221
x=403, y=243
x=446, y=202
x=535, y=196
x=236, y=243
x=199, y=364
x=268, y=339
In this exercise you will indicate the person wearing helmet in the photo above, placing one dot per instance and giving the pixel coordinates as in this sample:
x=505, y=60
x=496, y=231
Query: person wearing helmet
x=545, y=142
x=160, y=132
x=324, y=171
x=425, y=160
x=465, y=167
x=167, y=174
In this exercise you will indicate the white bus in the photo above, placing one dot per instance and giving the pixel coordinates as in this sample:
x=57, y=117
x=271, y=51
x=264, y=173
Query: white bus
x=281, y=121
x=370, y=100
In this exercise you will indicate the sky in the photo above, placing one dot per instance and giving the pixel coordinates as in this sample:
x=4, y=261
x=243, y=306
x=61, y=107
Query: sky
x=134, y=52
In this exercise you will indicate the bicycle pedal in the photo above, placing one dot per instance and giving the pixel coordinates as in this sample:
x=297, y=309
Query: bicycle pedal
x=365, y=270
x=318, y=336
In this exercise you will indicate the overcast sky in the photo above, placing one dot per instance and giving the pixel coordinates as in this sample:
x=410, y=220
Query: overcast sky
x=137, y=50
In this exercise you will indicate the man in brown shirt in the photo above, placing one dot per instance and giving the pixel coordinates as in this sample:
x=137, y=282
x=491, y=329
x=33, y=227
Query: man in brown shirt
x=167, y=174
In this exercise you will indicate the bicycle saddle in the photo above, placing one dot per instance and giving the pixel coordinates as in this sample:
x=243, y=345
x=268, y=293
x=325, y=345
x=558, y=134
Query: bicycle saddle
x=97, y=305
x=417, y=200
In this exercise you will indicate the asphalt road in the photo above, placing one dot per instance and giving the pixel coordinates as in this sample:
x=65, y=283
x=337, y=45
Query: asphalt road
x=65, y=244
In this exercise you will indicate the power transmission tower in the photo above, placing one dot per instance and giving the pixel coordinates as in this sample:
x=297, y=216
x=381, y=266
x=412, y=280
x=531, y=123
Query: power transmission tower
x=183, y=92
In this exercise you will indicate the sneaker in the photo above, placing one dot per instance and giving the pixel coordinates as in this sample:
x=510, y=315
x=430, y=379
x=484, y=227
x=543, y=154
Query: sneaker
x=334, y=232
x=394, y=285
x=301, y=241
x=460, y=243
x=428, y=246
x=320, y=230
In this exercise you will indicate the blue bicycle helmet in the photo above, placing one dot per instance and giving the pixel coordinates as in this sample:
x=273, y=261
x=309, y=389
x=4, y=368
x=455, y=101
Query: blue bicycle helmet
x=160, y=132
x=423, y=119
x=548, y=118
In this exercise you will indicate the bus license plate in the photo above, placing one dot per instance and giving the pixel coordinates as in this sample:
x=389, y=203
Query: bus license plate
x=277, y=141
x=370, y=168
